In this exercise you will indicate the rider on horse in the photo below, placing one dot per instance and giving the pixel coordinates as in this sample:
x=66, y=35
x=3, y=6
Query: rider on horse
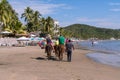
x=49, y=47
x=56, y=47
x=61, y=47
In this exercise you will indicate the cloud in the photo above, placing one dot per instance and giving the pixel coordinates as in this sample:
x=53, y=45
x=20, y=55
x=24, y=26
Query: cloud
x=100, y=22
x=43, y=7
x=47, y=8
x=114, y=4
x=85, y=19
x=109, y=25
x=115, y=10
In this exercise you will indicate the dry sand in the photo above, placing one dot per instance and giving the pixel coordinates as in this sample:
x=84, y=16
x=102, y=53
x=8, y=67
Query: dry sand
x=30, y=63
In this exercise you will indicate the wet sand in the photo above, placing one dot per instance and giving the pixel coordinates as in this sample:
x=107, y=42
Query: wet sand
x=30, y=63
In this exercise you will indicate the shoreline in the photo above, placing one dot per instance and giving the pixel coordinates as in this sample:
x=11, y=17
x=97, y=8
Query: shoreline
x=110, y=58
x=30, y=63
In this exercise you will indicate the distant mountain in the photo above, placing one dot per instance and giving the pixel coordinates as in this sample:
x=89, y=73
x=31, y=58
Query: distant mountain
x=86, y=31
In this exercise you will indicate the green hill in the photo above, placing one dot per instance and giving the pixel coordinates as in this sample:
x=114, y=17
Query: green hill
x=86, y=31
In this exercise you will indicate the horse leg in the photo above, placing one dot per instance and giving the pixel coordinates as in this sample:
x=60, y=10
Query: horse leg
x=48, y=51
x=55, y=48
x=61, y=52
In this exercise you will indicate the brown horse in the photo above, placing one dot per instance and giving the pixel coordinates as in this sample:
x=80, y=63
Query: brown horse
x=56, y=49
x=61, y=51
x=48, y=50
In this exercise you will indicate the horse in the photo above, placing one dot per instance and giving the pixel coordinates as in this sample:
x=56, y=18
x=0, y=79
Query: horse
x=48, y=50
x=61, y=51
x=56, y=50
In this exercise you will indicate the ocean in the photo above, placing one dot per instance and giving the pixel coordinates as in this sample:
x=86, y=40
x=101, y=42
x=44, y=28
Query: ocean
x=106, y=51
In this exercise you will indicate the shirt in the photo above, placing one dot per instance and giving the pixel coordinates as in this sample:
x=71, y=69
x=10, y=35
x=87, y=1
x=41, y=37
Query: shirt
x=69, y=46
x=61, y=40
x=48, y=40
x=56, y=42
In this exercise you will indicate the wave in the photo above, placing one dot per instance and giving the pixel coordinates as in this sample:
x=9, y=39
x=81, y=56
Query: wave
x=105, y=52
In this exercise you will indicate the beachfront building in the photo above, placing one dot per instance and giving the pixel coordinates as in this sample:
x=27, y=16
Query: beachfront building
x=56, y=28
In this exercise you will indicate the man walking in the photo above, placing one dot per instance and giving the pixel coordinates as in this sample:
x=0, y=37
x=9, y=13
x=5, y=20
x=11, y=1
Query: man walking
x=69, y=48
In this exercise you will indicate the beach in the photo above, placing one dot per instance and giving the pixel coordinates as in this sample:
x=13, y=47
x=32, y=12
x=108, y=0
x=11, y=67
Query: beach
x=30, y=63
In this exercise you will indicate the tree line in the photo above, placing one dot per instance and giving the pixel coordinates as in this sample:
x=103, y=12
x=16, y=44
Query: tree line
x=85, y=32
x=34, y=21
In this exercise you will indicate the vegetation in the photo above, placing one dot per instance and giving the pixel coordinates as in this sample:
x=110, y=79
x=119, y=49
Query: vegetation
x=34, y=22
x=47, y=25
x=9, y=18
x=33, y=19
x=85, y=31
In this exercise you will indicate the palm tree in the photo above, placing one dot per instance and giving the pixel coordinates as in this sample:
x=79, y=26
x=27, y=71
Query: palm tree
x=28, y=12
x=36, y=20
x=61, y=31
x=8, y=16
x=32, y=18
x=36, y=23
x=43, y=24
x=49, y=25
x=4, y=12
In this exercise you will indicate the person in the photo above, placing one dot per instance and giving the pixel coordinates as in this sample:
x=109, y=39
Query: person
x=61, y=47
x=43, y=44
x=92, y=42
x=66, y=40
x=56, y=47
x=69, y=48
x=49, y=41
x=49, y=47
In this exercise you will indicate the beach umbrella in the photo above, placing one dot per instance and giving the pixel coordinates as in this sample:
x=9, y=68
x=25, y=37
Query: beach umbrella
x=40, y=39
x=5, y=32
x=32, y=35
x=23, y=39
x=37, y=39
x=31, y=39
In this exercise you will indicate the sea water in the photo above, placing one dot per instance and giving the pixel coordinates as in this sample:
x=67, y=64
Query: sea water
x=106, y=51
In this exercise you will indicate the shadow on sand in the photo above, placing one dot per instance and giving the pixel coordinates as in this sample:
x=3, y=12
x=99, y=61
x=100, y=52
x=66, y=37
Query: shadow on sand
x=41, y=58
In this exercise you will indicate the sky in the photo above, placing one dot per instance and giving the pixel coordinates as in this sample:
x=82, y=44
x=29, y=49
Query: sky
x=99, y=13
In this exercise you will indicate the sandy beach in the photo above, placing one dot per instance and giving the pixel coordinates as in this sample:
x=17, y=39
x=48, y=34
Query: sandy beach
x=30, y=63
